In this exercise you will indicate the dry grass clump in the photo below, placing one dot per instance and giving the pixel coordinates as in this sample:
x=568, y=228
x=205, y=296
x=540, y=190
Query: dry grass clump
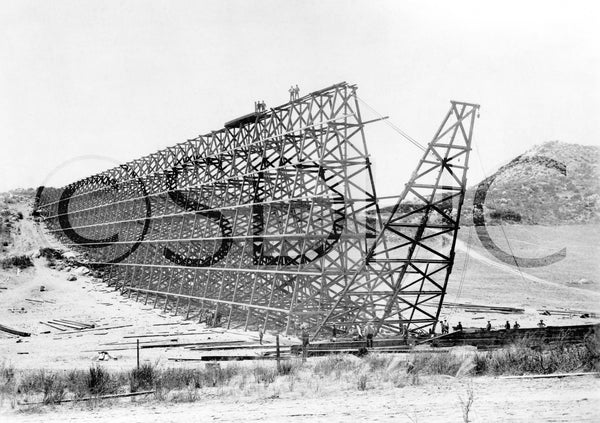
x=522, y=359
x=314, y=377
x=21, y=262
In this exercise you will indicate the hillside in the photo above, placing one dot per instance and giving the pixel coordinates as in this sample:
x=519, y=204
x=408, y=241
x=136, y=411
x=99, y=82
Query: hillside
x=554, y=183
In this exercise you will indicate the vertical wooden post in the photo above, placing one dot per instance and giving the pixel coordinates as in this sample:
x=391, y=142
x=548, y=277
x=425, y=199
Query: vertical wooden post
x=278, y=354
x=138, y=353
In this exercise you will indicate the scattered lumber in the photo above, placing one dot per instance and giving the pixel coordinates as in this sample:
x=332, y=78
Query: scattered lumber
x=131, y=394
x=170, y=324
x=550, y=376
x=150, y=335
x=229, y=358
x=34, y=300
x=67, y=325
x=96, y=328
x=53, y=326
x=183, y=344
x=233, y=347
x=13, y=331
x=81, y=324
x=481, y=308
x=566, y=312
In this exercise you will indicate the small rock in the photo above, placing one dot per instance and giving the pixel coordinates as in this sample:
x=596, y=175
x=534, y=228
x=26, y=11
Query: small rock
x=71, y=278
x=42, y=288
x=82, y=270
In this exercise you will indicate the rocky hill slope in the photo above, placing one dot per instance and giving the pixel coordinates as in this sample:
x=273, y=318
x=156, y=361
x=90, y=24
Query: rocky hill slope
x=554, y=183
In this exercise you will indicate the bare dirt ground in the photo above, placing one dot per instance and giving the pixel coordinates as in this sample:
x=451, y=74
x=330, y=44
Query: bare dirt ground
x=434, y=399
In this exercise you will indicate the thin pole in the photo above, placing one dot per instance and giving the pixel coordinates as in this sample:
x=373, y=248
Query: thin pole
x=278, y=355
x=138, y=353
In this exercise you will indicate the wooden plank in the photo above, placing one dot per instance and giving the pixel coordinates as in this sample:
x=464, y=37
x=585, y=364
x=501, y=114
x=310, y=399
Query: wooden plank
x=53, y=326
x=131, y=394
x=68, y=325
x=551, y=376
x=95, y=329
x=13, y=331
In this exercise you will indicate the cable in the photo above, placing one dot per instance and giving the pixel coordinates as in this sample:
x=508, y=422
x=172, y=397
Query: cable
x=394, y=127
x=501, y=226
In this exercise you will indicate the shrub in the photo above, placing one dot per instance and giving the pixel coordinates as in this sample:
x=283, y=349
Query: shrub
x=51, y=253
x=22, y=262
x=54, y=389
x=142, y=378
x=286, y=368
x=336, y=363
x=7, y=378
x=362, y=382
x=264, y=375
x=99, y=382
x=438, y=363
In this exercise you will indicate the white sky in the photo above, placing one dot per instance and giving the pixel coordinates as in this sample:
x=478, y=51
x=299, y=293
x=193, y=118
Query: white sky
x=118, y=80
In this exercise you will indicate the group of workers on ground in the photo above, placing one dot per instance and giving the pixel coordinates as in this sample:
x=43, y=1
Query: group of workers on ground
x=368, y=332
x=445, y=327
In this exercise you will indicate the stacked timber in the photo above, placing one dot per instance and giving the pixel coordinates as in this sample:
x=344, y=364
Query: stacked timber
x=480, y=308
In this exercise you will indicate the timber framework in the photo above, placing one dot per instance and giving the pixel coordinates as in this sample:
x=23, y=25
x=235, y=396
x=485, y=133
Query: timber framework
x=274, y=220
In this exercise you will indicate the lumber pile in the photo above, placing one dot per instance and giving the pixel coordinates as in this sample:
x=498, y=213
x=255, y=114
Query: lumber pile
x=566, y=312
x=63, y=324
x=480, y=308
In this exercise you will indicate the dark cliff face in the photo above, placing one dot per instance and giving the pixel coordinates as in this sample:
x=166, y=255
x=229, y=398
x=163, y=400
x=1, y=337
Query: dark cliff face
x=554, y=183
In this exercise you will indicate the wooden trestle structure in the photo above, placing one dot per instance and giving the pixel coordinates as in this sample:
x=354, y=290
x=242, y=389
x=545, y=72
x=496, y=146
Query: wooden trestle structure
x=266, y=222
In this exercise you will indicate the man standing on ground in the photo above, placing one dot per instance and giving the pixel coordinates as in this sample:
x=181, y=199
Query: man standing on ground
x=369, y=334
x=305, y=341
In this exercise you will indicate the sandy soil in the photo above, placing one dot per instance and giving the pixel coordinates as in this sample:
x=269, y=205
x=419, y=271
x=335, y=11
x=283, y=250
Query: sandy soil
x=574, y=399
x=87, y=300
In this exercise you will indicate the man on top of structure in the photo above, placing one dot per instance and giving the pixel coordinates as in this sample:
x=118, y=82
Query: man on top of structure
x=294, y=92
